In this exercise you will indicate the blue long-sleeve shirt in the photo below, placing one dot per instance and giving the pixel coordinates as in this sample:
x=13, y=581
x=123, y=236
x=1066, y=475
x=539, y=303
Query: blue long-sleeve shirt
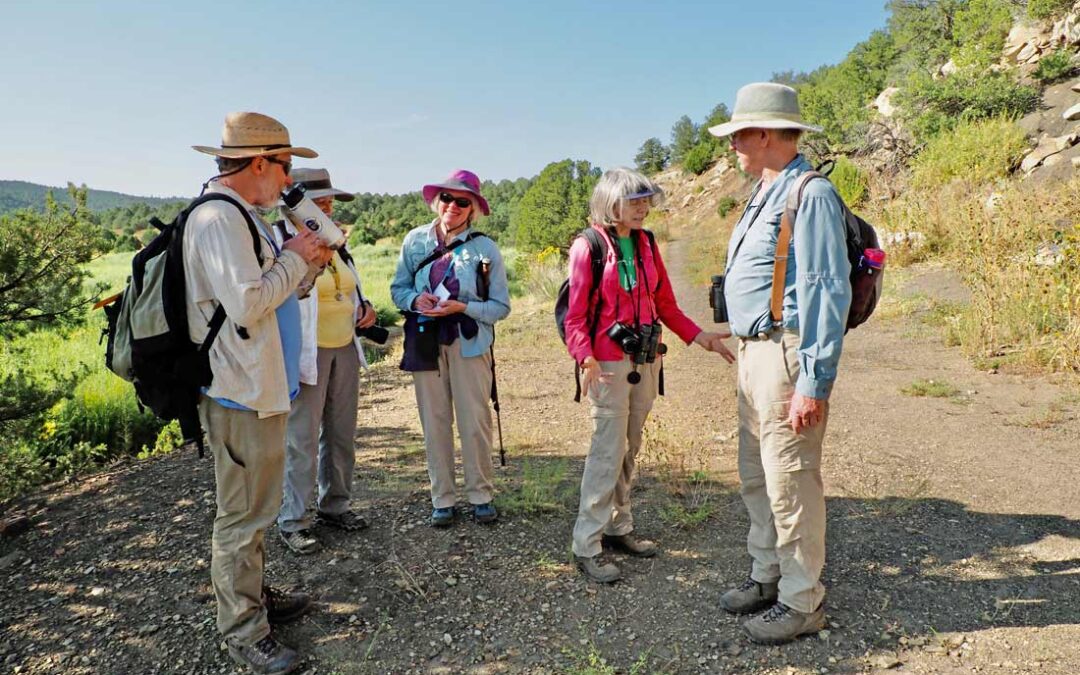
x=409, y=282
x=817, y=290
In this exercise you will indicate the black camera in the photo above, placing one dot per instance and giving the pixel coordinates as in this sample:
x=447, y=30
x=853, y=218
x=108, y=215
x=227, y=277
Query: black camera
x=717, y=301
x=376, y=334
x=626, y=337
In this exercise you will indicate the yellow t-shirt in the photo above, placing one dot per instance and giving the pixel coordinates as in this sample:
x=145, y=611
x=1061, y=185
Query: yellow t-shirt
x=335, y=288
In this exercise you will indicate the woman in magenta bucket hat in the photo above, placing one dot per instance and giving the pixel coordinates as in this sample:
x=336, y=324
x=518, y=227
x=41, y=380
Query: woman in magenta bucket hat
x=450, y=284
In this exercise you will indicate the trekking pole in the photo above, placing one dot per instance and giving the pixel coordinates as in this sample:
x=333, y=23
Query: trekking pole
x=495, y=404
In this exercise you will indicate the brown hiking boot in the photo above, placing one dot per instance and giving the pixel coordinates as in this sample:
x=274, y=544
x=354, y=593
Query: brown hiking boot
x=752, y=596
x=265, y=657
x=783, y=624
x=627, y=543
x=282, y=607
x=605, y=574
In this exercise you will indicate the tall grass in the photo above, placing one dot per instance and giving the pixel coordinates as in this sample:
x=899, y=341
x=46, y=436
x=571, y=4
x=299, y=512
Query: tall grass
x=1019, y=253
x=975, y=152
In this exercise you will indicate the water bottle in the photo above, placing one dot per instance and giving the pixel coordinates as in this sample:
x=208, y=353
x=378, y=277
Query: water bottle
x=873, y=259
x=304, y=214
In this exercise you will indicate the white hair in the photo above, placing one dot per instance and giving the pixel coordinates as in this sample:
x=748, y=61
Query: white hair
x=475, y=213
x=614, y=187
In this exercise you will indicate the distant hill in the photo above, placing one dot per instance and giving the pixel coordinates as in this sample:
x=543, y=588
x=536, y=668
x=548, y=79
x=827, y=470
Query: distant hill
x=17, y=194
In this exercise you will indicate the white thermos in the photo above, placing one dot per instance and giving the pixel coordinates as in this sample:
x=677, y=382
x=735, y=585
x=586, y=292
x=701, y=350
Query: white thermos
x=304, y=214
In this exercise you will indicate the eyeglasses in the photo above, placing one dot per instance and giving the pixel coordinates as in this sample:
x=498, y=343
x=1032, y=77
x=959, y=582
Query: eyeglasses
x=462, y=202
x=285, y=166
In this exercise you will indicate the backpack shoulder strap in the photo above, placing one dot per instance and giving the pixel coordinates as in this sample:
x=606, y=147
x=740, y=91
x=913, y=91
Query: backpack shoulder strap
x=597, y=248
x=436, y=254
x=217, y=196
x=783, y=242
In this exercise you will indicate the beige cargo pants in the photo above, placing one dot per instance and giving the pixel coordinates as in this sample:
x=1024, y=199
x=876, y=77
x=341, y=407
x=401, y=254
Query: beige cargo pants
x=619, y=410
x=249, y=463
x=463, y=386
x=780, y=473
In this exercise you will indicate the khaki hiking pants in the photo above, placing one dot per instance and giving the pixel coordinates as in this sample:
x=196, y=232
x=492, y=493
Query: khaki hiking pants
x=619, y=410
x=249, y=460
x=321, y=447
x=780, y=473
x=462, y=386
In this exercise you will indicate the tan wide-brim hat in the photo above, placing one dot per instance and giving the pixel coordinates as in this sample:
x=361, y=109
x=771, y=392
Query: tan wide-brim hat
x=249, y=134
x=764, y=105
x=317, y=184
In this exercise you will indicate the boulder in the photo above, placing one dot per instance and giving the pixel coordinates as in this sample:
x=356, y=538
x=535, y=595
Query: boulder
x=1047, y=146
x=1020, y=35
x=949, y=68
x=1066, y=31
x=884, y=102
x=1072, y=114
x=1029, y=52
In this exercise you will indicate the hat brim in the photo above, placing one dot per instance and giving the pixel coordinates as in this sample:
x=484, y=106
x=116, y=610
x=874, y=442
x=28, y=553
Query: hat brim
x=337, y=194
x=430, y=191
x=241, y=153
x=728, y=128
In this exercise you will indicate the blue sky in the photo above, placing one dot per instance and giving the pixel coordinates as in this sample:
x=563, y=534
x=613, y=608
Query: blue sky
x=392, y=94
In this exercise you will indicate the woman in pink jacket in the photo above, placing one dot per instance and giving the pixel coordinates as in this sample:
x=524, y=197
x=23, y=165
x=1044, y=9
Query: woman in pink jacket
x=614, y=335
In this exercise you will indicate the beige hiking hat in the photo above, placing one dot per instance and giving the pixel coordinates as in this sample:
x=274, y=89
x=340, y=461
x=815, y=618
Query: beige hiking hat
x=249, y=134
x=764, y=105
x=317, y=184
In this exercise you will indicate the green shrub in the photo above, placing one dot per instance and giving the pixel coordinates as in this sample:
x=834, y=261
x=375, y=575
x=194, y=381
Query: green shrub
x=850, y=181
x=935, y=106
x=976, y=152
x=698, y=159
x=725, y=205
x=20, y=468
x=1045, y=9
x=100, y=421
x=1055, y=66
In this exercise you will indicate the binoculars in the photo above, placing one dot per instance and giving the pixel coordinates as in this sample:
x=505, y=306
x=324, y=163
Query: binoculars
x=376, y=334
x=642, y=345
x=717, y=301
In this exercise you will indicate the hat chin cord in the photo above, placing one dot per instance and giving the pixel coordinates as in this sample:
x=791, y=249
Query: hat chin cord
x=223, y=175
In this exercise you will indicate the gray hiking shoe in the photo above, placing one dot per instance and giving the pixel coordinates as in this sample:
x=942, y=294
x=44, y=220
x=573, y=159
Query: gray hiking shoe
x=265, y=657
x=605, y=574
x=752, y=596
x=628, y=543
x=301, y=542
x=782, y=624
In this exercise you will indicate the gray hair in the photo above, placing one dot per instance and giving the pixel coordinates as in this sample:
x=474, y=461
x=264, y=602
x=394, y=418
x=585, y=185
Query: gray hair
x=615, y=186
x=229, y=164
x=475, y=213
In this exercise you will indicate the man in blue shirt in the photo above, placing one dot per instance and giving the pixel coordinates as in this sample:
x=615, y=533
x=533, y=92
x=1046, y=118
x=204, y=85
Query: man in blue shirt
x=787, y=363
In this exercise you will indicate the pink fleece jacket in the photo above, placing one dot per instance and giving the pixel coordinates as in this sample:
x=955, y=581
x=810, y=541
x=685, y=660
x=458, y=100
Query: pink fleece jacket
x=655, y=300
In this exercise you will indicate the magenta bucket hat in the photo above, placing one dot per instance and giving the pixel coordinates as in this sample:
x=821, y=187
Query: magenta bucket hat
x=463, y=180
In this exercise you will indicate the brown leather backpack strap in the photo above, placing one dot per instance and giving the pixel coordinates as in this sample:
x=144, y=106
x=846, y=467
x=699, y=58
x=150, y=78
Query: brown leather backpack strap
x=783, y=243
x=779, y=272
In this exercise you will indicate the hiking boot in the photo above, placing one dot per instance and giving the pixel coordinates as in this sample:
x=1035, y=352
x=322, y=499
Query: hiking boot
x=348, y=521
x=605, y=574
x=442, y=517
x=627, y=543
x=282, y=607
x=782, y=624
x=752, y=596
x=485, y=513
x=265, y=657
x=301, y=542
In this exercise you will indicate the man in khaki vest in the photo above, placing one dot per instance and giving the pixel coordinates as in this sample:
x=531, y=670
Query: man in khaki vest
x=787, y=299
x=255, y=360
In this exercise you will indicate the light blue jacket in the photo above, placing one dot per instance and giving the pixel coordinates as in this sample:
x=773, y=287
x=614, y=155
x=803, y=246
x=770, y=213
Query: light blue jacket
x=409, y=282
x=817, y=292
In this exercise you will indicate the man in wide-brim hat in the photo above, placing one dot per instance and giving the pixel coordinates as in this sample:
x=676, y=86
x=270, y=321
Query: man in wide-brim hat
x=790, y=338
x=255, y=364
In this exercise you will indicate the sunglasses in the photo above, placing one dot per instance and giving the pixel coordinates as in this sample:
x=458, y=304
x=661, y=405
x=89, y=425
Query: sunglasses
x=462, y=202
x=286, y=166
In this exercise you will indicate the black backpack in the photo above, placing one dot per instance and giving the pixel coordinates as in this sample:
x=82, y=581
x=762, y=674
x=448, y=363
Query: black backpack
x=597, y=251
x=866, y=281
x=148, y=340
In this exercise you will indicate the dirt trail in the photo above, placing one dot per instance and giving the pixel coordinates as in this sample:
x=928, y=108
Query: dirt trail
x=953, y=538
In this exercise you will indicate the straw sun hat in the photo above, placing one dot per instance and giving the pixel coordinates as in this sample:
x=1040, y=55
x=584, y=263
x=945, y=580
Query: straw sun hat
x=249, y=134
